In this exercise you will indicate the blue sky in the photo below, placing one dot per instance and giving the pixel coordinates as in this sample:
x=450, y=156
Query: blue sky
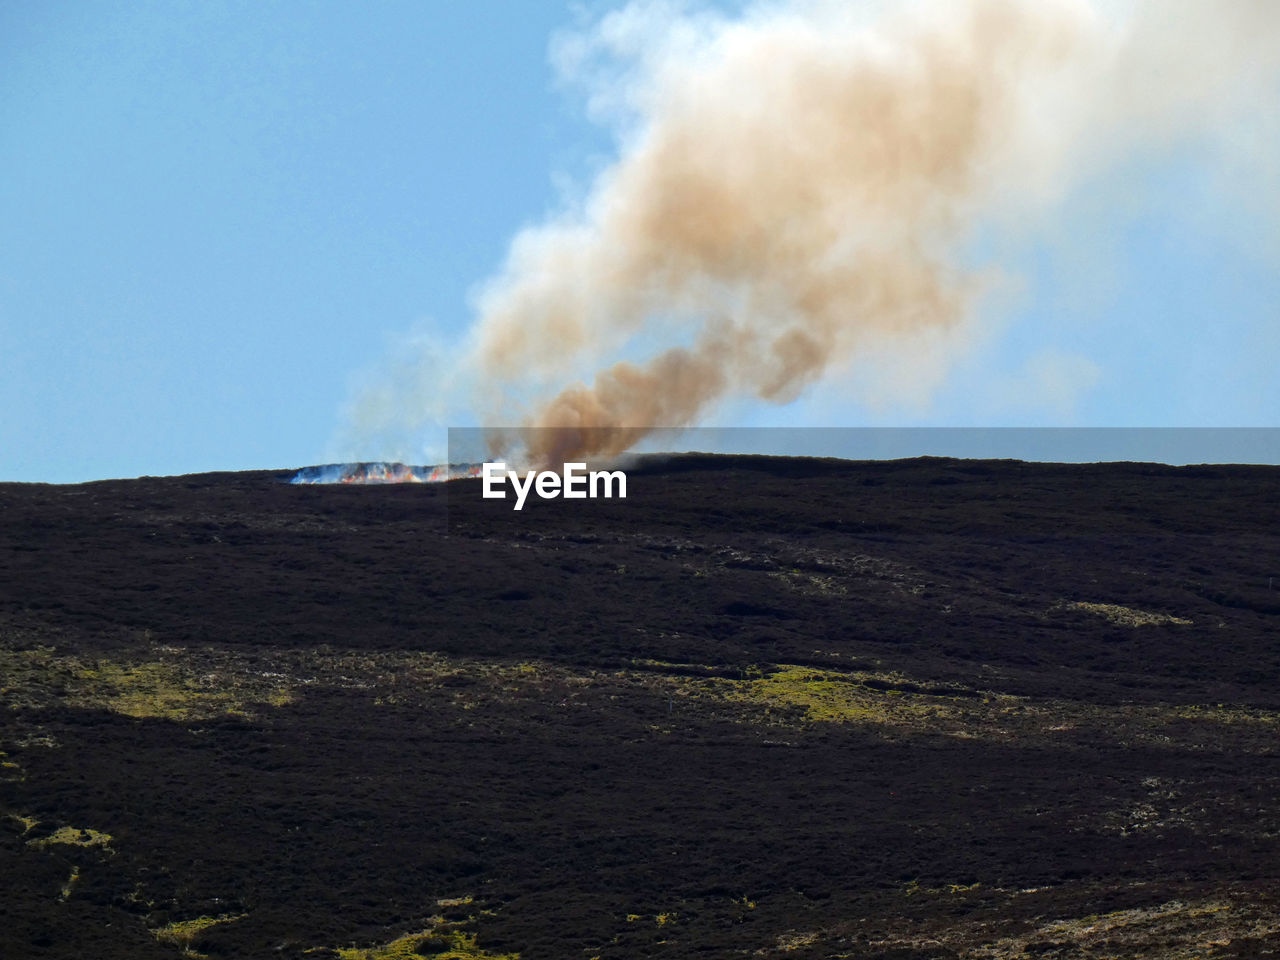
x=216, y=217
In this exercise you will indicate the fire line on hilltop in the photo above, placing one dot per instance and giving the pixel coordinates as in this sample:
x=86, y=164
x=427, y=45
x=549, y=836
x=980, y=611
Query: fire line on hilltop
x=379, y=472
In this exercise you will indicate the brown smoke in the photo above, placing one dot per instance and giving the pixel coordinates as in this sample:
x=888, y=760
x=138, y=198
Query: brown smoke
x=796, y=185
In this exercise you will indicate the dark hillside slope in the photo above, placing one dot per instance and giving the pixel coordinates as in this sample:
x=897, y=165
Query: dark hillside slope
x=924, y=708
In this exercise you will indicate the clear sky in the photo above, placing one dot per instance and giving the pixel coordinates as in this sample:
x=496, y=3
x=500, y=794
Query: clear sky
x=217, y=217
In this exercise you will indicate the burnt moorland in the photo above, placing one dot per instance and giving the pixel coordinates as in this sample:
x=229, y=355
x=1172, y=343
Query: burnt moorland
x=762, y=707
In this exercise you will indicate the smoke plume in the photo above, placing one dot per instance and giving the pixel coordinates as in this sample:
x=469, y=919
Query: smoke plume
x=806, y=180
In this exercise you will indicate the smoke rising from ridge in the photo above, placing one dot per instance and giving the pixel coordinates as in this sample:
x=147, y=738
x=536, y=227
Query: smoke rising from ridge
x=807, y=180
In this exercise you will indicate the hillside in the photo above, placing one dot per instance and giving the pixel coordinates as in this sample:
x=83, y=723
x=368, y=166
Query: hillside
x=761, y=707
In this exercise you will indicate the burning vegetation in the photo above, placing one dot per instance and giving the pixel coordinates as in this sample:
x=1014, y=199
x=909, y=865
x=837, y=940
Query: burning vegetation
x=378, y=472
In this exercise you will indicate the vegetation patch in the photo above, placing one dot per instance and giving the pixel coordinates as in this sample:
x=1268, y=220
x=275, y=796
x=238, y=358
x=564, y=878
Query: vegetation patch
x=183, y=932
x=429, y=944
x=9, y=769
x=796, y=941
x=1221, y=713
x=444, y=939
x=28, y=823
x=913, y=888
x=149, y=690
x=181, y=685
x=1184, y=931
x=455, y=901
x=1126, y=616
x=791, y=694
x=70, y=884
x=75, y=837
x=812, y=584
x=1173, y=930
x=829, y=696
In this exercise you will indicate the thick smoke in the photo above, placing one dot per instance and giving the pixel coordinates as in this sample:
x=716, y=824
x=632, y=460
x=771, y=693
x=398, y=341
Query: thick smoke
x=807, y=180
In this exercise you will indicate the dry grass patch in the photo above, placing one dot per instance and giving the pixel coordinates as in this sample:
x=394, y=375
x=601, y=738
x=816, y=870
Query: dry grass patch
x=1171, y=931
x=1126, y=616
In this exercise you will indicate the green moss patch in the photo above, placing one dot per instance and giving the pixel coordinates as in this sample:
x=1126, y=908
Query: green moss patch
x=430, y=944
x=829, y=696
x=178, y=684
x=149, y=690
x=75, y=837
x=182, y=933
x=28, y=823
